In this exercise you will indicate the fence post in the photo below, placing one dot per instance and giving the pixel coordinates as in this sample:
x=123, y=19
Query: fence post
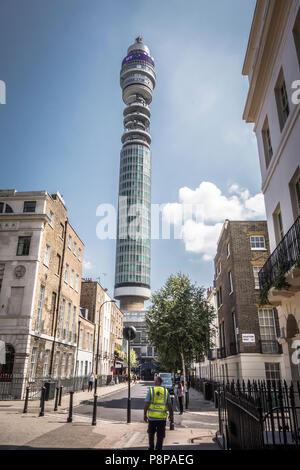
x=94, y=422
x=56, y=399
x=43, y=401
x=60, y=395
x=26, y=400
x=70, y=417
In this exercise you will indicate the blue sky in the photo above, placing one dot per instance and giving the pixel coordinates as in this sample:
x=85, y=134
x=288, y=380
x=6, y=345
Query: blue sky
x=61, y=126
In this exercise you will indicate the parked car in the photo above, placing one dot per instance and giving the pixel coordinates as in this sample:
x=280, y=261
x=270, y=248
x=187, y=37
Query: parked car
x=167, y=381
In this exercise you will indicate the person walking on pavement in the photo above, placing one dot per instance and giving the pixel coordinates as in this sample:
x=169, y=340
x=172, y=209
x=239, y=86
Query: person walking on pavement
x=179, y=396
x=91, y=382
x=157, y=402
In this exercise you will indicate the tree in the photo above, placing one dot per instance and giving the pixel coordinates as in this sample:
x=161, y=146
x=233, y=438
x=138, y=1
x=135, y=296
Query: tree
x=179, y=322
x=133, y=359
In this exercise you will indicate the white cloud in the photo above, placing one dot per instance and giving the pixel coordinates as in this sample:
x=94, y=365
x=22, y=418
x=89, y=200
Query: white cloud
x=201, y=227
x=87, y=266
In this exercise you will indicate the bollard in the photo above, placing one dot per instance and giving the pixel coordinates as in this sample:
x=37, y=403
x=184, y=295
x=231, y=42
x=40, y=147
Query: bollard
x=70, y=417
x=43, y=401
x=56, y=398
x=60, y=395
x=94, y=422
x=26, y=400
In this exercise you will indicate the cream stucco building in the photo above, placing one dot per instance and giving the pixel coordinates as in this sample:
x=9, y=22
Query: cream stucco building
x=272, y=64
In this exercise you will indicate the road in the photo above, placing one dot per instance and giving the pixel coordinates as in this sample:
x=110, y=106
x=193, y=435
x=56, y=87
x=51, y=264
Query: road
x=113, y=408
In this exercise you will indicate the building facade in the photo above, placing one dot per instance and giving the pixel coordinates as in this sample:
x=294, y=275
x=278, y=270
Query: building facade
x=248, y=346
x=272, y=64
x=85, y=349
x=41, y=264
x=108, y=323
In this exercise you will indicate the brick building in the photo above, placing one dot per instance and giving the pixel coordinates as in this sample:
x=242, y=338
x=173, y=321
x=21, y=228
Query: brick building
x=41, y=264
x=247, y=332
x=108, y=320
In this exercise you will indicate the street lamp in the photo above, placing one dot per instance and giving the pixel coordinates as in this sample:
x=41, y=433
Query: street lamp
x=129, y=333
x=97, y=355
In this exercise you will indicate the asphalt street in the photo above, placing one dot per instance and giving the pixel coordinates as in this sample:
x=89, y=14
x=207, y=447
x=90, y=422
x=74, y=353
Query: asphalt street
x=114, y=408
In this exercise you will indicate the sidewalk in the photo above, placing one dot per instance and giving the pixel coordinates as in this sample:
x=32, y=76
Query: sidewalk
x=29, y=431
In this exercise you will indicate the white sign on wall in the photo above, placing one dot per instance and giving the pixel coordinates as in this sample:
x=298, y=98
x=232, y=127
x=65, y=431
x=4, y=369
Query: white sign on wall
x=248, y=338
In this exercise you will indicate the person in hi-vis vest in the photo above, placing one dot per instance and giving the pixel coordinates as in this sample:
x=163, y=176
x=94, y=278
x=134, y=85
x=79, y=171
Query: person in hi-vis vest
x=157, y=402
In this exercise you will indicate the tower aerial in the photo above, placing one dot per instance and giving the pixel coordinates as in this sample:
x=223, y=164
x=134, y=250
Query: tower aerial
x=132, y=275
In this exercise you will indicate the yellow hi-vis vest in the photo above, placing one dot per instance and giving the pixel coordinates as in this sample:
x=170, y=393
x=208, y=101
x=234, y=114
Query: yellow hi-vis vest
x=158, y=403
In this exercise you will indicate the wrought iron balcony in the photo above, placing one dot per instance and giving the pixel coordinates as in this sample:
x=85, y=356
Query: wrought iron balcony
x=212, y=354
x=270, y=347
x=284, y=257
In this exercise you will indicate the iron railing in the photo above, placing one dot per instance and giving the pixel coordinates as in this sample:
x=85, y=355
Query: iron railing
x=283, y=258
x=259, y=414
x=13, y=387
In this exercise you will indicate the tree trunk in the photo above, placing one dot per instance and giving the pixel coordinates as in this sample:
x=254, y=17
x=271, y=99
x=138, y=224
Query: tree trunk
x=184, y=379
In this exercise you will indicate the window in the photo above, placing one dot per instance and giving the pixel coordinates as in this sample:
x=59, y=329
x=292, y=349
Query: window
x=57, y=357
x=62, y=231
x=272, y=371
x=278, y=226
x=218, y=268
x=219, y=297
x=58, y=261
x=79, y=254
x=51, y=217
x=257, y=243
x=53, y=307
x=256, y=270
x=268, y=331
x=72, y=278
x=295, y=193
x=46, y=363
x=75, y=248
x=68, y=318
x=282, y=100
x=62, y=317
x=230, y=282
x=80, y=337
x=33, y=362
x=69, y=365
x=70, y=242
x=8, y=209
x=267, y=142
x=66, y=273
x=29, y=206
x=74, y=325
x=47, y=255
x=40, y=308
x=63, y=365
x=77, y=283
x=23, y=246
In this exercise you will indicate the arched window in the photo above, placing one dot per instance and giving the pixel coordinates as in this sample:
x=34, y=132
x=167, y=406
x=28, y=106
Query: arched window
x=6, y=370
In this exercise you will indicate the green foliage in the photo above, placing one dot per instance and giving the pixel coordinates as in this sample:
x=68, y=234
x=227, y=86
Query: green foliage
x=280, y=282
x=179, y=321
x=263, y=296
x=133, y=359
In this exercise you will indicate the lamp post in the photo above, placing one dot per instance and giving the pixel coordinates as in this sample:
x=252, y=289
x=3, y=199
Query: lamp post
x=129, y=333
x=97, y=355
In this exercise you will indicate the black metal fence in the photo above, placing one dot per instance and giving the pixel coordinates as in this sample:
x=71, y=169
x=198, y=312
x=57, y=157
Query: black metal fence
x=13, y=387
x=259, y=414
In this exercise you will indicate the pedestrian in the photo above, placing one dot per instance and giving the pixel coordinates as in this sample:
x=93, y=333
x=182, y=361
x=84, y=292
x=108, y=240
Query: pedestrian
x=179, y=396
x=91, y=382
x=157, y=402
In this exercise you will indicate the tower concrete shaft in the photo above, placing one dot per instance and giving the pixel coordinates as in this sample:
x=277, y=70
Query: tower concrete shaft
x=132, y=276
